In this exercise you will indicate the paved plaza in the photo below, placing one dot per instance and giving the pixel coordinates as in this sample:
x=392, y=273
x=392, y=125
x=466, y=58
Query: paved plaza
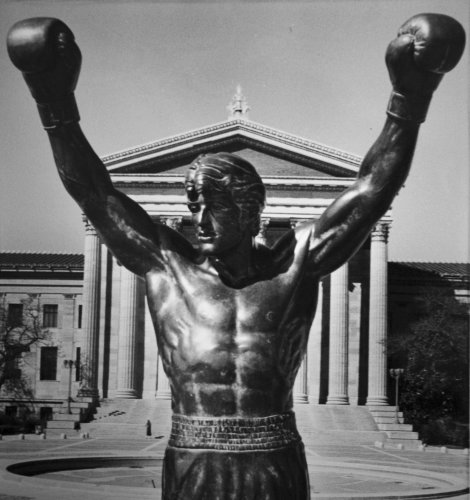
x=130, y=469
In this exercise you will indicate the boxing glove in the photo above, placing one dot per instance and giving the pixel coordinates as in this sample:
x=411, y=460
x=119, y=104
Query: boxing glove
x=426, y=47
x=44, y=50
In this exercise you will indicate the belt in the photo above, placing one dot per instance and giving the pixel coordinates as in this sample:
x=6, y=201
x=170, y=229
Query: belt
x=238, y=434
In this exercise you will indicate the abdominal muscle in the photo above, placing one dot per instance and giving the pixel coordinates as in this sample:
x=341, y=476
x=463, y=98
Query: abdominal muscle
x=230, y=379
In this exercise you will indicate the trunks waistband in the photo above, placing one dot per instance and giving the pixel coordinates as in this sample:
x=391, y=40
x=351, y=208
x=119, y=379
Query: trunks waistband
x=260, y=433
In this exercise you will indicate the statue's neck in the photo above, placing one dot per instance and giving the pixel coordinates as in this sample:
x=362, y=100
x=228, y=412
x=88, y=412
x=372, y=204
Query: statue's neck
x=237, y=262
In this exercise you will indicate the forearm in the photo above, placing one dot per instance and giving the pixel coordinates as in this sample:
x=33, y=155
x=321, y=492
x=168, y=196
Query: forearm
x=121, y=223
x=346, y=224
x=386, y=165
x=81, y=170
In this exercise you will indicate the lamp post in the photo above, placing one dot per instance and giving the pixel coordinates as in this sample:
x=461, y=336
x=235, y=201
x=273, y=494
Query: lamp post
x=69, y=363
x=396, y=373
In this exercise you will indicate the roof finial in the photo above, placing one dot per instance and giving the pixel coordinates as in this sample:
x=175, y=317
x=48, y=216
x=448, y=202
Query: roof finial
x=238, y=108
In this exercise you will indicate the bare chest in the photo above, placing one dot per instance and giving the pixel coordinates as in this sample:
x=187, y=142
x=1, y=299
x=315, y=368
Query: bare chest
x=201, y=305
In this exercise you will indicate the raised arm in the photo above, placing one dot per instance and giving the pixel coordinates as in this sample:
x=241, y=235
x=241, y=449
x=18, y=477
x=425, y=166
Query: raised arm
x=427, y=46
x=45, y=51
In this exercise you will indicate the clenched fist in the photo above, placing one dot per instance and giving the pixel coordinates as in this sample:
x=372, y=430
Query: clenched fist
x=426, y=47
x=44, y=50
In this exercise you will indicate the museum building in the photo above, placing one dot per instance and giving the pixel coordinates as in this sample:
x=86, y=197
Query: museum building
x=96, y=313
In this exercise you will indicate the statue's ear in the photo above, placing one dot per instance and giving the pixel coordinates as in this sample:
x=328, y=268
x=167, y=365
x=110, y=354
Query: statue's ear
x=191, y=192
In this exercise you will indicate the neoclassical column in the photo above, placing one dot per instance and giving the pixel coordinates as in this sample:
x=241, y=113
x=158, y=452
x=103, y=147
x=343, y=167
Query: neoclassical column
x=91, y=312
x=261, y=236
x=127, y=334
x=339, y=340
x=377, y=383
x=301, y=384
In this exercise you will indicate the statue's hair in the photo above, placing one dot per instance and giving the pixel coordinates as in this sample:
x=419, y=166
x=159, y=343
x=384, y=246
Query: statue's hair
x=231, y=174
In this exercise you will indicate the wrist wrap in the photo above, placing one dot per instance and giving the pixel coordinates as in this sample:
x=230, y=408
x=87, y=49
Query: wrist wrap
x=408, y=109
x=57, y=113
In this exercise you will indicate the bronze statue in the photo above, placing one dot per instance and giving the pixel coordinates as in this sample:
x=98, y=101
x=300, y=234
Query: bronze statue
x=232, y=317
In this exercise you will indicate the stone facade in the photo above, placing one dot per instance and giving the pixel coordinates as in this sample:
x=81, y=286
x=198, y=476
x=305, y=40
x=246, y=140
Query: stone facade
x=52, y=284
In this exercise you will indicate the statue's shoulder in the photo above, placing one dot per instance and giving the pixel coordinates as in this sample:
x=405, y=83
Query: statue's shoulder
x=289, y=251
x=296, y=239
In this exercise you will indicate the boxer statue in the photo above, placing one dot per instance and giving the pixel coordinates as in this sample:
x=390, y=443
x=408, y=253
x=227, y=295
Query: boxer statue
x=232, y=317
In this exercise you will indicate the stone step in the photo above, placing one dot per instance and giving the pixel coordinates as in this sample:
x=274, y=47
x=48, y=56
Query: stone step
x=408, y=444
x=60, y=424
x=78, y=404
x=132, y=410
x=402, y=435
x=385, y=408
x=332, y=417
x=388, y=420
x=85, y=400
x=395, y=427
x=127, y=431
x=385, y=414
x=312, y=439
x=62, y=417
x=65, y=411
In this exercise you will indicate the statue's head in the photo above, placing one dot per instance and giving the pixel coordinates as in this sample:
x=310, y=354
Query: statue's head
x=226, y=179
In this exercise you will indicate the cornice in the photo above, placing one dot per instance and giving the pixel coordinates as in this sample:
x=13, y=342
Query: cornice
x=248, y=130
x=283, y=183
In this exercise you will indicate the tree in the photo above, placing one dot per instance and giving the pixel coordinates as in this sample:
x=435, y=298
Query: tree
x=20, y=329
x=435, y=386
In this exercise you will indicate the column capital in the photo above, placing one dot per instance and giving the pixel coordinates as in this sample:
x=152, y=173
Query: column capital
x=264, y=223
x=380, y=232
x=296, y=222
x=175, y=223
x=263, y=229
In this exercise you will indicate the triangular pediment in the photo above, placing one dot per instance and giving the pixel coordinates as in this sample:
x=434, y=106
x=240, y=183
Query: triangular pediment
x=272, y=152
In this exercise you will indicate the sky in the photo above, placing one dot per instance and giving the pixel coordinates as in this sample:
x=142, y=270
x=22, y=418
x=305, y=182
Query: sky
x=313, y=69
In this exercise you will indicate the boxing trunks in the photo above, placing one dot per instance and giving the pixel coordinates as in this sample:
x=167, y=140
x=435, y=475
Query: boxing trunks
x=235, y=459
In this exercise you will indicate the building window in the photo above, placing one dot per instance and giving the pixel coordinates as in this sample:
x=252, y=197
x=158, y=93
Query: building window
x=77, y=364
x=49, y=315
x=80, y=315
x=45, y=413
x=48, y=370
x=11, y=411
x=15, y=315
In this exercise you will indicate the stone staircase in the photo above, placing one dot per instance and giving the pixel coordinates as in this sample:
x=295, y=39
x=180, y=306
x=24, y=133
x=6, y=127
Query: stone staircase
x=317, y=423
x=398, y=433
x=327, y=424
x=65, y=421
x=127, y=417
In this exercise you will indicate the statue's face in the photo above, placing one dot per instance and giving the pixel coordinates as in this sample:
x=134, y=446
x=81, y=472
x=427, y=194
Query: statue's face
x=216, y=218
